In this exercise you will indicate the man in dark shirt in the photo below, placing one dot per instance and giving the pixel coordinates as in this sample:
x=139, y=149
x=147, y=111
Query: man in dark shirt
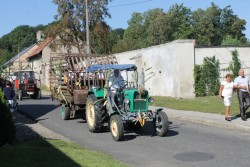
x=9, y=94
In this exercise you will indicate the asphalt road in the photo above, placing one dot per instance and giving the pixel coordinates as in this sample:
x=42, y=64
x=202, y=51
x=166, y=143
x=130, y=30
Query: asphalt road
x=187, y=144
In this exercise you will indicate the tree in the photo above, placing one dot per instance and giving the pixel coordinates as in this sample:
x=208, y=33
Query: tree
x=114, y=37
x=232, y=25
x=4, y=56
x=206, y=26
x=229, y=40
x=71, y=22
x=179, y=19
x=21, y=37
x=213, y=25
x=135, y=32
x=156, y=26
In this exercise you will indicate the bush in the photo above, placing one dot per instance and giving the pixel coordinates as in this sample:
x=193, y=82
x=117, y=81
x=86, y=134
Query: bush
x=206, y=77
x=7, y=127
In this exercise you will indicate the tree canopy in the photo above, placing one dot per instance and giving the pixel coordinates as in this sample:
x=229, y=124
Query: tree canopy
x=213, y=26
x=18, y=39
x=71, y=23
x=210, y=27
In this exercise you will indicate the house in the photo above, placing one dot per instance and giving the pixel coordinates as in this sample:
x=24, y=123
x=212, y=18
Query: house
x=39, y=59
x=19, y=61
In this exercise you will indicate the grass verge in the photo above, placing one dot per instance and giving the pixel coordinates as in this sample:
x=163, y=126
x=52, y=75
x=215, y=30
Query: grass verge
x=53, y=153
x=210, y=104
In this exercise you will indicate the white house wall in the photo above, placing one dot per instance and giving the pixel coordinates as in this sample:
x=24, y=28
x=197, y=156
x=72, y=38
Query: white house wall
x=168, y=67
x=223, y=54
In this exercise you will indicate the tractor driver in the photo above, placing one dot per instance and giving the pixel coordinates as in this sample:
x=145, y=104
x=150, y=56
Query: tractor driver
x=116, y=81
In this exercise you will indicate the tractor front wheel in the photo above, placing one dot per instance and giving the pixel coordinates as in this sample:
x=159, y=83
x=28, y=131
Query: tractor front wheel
x=161, y=123
x=116, y=127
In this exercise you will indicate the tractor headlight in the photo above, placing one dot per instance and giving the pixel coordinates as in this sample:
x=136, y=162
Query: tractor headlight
x=150, y=100
x=126, y=101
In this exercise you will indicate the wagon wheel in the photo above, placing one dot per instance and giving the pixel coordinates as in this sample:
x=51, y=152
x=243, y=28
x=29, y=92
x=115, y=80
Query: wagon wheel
x=65, y=112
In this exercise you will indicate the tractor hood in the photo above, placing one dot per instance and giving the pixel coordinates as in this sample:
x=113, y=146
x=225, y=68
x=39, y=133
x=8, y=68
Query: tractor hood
x=97, y=67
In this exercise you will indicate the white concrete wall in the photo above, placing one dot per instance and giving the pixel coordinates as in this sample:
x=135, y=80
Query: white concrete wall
x=170, y=67
x=223, y=54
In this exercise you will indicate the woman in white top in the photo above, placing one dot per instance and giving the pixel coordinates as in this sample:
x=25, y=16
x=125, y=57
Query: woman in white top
x=226, y=93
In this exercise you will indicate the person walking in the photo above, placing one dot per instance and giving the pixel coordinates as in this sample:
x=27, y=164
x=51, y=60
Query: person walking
x=226, y=93
x=9, y=95
x=243, y=94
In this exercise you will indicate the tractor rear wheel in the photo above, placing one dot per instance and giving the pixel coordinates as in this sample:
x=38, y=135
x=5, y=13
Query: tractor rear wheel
x=94, y=114
x=65, y=112
x=161, y=124
x=116, y=127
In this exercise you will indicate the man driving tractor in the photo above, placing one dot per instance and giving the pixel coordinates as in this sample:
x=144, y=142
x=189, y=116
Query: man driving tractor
x=116, y=82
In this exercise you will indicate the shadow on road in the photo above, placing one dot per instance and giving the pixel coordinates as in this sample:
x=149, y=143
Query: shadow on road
x=35, y=111
x=30, y=149
x=148, y=130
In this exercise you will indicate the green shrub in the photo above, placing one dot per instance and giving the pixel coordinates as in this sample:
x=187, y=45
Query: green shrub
x=7, y=127
x=206, y=77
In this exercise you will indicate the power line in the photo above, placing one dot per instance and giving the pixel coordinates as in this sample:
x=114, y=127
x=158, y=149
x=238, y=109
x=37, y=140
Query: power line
x=130, y=4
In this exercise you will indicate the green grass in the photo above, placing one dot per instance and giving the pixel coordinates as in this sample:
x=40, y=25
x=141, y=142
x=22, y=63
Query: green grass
x=53, y=153
x=210, y=104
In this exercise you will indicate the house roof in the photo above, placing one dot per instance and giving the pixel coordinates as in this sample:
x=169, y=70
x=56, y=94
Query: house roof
x=18, y=55
x=40, y=48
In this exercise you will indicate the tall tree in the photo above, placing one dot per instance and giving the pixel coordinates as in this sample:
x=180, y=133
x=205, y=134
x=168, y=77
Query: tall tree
x=156, y=25
x=114, y=37
x=232, y=25
x=135, y=31
x=213, y=25
x=179, y=19
x=71, y=22
x=204, y=25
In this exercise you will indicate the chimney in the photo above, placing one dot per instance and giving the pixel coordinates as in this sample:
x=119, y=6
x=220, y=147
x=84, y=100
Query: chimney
x=39, y=36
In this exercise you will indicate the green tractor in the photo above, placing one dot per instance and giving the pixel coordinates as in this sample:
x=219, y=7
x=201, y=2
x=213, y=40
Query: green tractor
x=125, y=105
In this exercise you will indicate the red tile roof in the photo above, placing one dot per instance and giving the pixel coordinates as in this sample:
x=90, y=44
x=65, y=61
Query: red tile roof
x=40, y=47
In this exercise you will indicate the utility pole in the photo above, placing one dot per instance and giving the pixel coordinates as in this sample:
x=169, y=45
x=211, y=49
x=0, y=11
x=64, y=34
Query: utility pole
x=87, y=27
x=19, y=59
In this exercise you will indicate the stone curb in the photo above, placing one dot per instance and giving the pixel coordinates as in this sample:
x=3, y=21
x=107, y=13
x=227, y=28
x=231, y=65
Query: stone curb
x=227, y=125
x=215, y=120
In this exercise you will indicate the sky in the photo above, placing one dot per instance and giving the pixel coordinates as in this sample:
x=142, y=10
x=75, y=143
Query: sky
x=14, y=13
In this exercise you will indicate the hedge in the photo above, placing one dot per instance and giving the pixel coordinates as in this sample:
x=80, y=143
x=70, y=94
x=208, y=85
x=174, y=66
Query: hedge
x=7, y=127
